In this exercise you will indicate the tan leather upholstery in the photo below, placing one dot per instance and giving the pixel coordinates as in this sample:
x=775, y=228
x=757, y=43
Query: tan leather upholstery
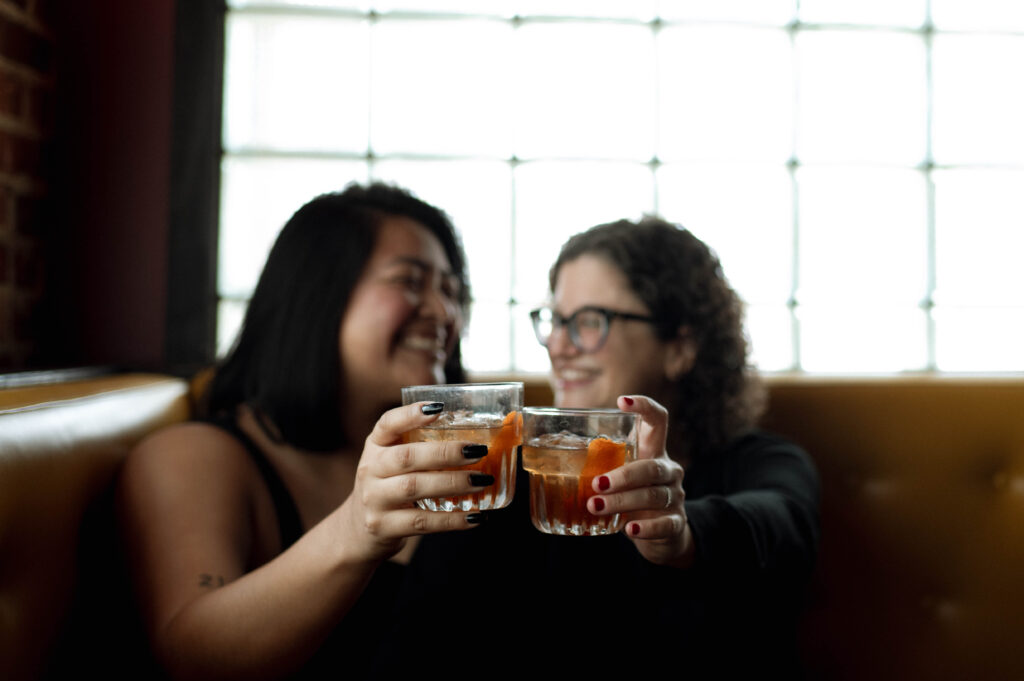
x=921, y=569
x=60, y=448
x=920, y=573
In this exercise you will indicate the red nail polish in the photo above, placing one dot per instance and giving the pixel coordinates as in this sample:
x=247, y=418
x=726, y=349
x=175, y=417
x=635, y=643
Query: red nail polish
x=628, y=400
x=599, y=503
x=634, y=529
x=603, y=483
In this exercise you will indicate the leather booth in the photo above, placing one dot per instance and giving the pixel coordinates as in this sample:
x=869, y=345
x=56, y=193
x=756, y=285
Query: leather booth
x=919, y=573
x=63, y=606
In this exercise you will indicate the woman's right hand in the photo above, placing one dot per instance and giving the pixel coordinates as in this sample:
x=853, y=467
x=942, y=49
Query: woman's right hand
x=381, y=512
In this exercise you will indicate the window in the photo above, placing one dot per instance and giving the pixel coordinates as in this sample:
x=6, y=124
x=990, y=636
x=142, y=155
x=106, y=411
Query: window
x=856, y=166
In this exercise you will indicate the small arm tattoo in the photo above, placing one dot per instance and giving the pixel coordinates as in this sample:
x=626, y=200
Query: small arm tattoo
x=210, y=581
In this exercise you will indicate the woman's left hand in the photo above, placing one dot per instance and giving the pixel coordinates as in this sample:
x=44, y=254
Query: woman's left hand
x=649, y=490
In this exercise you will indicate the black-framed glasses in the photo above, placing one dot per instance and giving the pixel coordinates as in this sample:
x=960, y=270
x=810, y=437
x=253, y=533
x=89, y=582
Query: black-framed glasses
x=587, y=326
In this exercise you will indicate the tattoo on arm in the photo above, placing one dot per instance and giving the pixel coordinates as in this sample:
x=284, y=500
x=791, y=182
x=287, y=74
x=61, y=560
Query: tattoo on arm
x=210, y=581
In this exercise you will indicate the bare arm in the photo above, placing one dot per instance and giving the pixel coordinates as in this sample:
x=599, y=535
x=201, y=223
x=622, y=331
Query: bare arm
x=194, y=527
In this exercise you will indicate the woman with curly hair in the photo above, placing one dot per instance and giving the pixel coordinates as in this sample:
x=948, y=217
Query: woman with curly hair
x=642, y=317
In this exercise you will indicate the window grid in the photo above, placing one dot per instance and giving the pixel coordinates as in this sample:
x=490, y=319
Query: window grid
x=795, y=28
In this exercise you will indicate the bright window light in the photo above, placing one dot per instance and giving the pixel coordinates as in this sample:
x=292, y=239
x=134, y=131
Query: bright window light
x=857, y=166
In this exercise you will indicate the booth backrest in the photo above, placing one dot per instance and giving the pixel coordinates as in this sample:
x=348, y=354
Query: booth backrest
x=920, y=573
x=60, y=449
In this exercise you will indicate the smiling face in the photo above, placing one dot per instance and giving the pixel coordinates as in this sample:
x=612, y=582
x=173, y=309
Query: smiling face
x=633, y=360
x=402, y=319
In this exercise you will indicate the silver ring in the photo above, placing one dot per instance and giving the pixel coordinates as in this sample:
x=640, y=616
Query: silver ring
x=668, y=498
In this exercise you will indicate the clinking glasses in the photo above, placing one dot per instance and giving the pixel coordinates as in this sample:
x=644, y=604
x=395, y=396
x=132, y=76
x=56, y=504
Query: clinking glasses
x=587, y=326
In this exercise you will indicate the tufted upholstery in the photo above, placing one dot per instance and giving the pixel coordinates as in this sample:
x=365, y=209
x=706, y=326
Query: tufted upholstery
x=921, y=566
x=920, y=574
x=60, y=448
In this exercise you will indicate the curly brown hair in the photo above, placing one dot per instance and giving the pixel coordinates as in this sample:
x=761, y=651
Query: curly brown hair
x=681, y=282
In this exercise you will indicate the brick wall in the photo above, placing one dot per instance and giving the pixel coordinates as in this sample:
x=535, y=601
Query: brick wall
x=26, y=129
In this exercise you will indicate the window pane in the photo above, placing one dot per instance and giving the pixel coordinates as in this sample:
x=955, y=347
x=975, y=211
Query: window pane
x=979, y=101
x=257, y=198
x=558, y=199
x=979, y=242
x=860, y=339
x=980, y=339
x=296, y=83
x=478, y=198
x=862, y=96
x=744, y=213
x=990, y=15
x=486, y=343
x=770, y=331
x=428, y=97
x=777, y=12
x=595, y=100
x=336, y=4
x=529, y=354
x=492, y=7
x=725, y=92
x=642, y=10
x=230, y=314
x=910, y=13
x=863, y=235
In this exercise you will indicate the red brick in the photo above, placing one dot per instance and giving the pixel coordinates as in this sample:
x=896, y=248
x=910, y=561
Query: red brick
x=11, y=95
x=6, y=320
x=6, y=152
x=20, y=44
x=6, y=205
x=28, y=270
x=21, y=324
x=39, y=108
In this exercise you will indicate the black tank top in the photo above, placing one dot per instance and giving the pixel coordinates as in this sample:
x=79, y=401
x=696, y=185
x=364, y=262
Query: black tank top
x=360, y=641
x=288, y=520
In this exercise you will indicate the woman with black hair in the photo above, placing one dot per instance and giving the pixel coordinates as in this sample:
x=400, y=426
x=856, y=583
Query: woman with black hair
x=269, y=538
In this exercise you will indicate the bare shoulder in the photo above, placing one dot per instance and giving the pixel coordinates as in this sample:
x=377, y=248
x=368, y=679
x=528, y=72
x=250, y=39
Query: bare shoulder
x=191, y=514
x=186, y=447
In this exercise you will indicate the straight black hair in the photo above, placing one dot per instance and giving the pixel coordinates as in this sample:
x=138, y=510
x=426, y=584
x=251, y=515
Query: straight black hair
x=285, y=362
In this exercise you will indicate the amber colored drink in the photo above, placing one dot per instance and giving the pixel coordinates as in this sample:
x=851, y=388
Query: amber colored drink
x=561, y=482
x=502, y=439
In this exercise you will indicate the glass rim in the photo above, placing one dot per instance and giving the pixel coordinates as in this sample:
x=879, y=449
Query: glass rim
x=577, y=411
x=465, y=386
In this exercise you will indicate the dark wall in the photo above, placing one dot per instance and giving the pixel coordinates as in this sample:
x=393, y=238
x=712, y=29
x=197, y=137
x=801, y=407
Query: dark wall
x=109, y=166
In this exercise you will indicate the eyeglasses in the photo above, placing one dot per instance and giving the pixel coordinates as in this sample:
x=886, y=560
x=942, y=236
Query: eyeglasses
x=587, y=326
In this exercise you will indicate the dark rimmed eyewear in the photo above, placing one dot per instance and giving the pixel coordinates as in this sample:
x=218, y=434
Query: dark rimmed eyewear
x=587, y=326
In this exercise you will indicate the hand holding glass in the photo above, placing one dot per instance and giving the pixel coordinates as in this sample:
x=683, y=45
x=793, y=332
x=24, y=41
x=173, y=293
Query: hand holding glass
x=483, y=413
x=563, y=451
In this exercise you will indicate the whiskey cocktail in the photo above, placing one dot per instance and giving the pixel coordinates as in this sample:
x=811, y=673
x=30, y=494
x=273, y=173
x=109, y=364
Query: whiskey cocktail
x=483, y=413
x=563, y=451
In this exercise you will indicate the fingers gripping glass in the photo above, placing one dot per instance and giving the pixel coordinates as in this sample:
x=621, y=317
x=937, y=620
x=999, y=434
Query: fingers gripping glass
x=587, y=326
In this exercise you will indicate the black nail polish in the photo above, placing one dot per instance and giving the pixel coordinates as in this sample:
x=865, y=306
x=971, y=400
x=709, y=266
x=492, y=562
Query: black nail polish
x=481, y=479
x=475, y=518
x=474, y=451
x=432, y=408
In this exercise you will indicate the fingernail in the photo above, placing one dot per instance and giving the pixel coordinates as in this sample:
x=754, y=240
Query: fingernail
x=598, y=503
x=481, y=479
x=603, y=483
x=475, y=518
x=634, y=529
x=474, y=451
x=628, y=400
x=432, y=408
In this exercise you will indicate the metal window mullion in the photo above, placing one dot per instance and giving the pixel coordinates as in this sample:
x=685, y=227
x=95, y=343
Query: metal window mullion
x=931, y=360
x=796, y=361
